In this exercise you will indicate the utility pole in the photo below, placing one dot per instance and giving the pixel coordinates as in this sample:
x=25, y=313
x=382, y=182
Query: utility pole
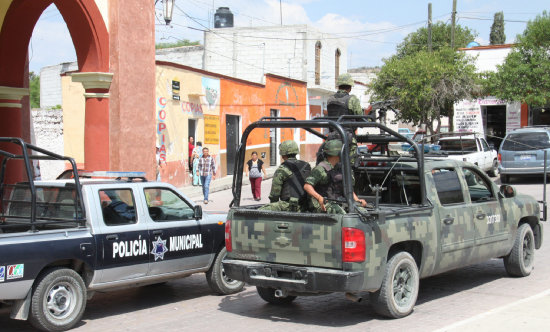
x=453, y=22
x=430, y=27
x=281, y=11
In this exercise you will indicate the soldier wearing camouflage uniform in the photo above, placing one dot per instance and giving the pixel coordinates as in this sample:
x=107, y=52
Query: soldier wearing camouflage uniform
x=326, y=180
x=342, y=103
x=287, y=193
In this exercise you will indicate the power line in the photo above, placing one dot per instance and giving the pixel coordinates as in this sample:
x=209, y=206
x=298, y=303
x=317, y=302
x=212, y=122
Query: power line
x=490, y=19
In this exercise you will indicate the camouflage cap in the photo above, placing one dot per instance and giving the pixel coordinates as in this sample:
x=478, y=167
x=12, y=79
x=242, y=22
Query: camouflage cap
x=345, y=79
x=288, y=147
x=333, y=147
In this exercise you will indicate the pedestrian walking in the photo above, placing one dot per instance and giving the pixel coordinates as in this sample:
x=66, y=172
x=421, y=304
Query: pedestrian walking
x=254, y=173
x=191, y=147
x=206, y=170
x=198, y=149
x=196, y=177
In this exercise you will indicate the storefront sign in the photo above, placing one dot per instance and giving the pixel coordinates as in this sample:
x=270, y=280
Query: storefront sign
x=161, y=127
x=211, y=129
x=513, y=116
x=467, y=117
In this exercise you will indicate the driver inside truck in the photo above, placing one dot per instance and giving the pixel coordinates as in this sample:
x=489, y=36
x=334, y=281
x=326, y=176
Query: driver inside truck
x=325, y=184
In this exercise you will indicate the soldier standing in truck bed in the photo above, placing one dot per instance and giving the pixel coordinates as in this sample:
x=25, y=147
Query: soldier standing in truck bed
x=287, y=189
x=326, y=181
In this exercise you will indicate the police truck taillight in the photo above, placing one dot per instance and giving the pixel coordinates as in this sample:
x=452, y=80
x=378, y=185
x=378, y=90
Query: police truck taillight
x=353, y=244
x=228, y=245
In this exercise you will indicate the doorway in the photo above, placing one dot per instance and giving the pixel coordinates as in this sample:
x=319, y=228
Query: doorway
x=494, y=120
x=192, y=129
x=273, y=140
x=232, y=132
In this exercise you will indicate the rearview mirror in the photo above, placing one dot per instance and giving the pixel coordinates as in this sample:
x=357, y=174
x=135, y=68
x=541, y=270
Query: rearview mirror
x=197, y=212
x=507, y=191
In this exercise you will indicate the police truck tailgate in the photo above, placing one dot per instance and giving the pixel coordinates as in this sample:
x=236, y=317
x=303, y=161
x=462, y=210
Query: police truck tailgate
x=286, y=238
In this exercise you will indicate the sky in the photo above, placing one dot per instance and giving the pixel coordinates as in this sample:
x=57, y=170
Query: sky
x=372, y=29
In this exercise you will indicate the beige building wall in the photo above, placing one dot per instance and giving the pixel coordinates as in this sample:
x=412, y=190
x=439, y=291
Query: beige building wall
x=73, y=118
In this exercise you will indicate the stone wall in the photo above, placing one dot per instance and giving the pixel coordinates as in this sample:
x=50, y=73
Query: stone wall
x=47, y=133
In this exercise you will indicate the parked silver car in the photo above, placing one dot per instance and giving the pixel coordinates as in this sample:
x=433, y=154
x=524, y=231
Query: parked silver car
x=522, y=152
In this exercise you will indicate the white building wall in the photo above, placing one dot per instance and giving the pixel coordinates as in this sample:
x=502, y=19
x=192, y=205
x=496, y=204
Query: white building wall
x=191, y=56
x=487, y=59
x=249, y=52
x=50, y=83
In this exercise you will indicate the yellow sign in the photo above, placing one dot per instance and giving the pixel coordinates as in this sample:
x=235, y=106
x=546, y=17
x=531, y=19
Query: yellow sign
x=211, y=129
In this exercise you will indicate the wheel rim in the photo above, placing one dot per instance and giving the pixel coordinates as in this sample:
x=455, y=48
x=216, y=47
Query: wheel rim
x=403, y=285
x=228, y=281
x=495, y=168
x=60, y=301
x=527, y=250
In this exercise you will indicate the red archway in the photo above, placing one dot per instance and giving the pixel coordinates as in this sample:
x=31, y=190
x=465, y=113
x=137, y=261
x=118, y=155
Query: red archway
x=91, y=41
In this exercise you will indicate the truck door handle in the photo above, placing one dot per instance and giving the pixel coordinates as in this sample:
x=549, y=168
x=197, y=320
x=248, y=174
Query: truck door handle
x=449, y=220
x=481, y=216
x=157, y=232
x=112, y=237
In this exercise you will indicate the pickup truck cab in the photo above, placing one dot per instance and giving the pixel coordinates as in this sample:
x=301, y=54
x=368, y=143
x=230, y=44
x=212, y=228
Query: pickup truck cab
x=61, y=240
x=470, y=148
x=424, y=218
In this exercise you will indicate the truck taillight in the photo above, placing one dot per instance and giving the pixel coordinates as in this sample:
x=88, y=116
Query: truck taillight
x=500, y=158
x=353, y=245
x=228, y=245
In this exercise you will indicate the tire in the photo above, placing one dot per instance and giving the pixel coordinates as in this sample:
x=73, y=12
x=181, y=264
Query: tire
x=218, y=281
x=268, y=295
x=58, y=300
x=521, y=260
x=493, y=172
x=504, y=179
x=397, y=295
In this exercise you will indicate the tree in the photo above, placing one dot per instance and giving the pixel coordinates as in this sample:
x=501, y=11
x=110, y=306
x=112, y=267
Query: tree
x=441, y=38
x=426, y=85
x=34, y=89
x=497, y=35
x=525, y=74
x=179, y=43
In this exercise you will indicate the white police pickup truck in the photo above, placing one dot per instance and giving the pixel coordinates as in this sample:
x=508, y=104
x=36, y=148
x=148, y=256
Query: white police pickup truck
x=61, y=240
x=470, y=148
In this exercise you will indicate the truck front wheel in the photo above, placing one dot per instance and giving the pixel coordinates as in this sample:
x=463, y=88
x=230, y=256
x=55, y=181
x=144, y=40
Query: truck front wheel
x=58, y=300
x=397, y=295
x=218, y=281
x=520, y=261
x=268, y=295
x=494, y=169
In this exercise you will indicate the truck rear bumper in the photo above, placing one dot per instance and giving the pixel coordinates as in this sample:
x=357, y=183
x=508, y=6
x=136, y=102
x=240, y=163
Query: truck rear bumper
x=294, y=278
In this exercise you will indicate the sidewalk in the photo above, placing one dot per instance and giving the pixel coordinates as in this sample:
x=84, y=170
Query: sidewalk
x=220, y=184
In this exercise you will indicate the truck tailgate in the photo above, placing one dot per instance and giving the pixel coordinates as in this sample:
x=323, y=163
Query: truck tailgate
x=286, y=238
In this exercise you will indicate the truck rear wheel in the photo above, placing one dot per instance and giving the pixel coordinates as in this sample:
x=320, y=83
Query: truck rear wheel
x=397, y=295
x=520, y=261
x=58, y=300
x=268, y=295
x=494, y=169
x=218, y=281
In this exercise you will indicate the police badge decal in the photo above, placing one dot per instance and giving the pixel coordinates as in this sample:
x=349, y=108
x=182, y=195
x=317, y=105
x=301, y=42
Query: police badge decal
x=159, y=248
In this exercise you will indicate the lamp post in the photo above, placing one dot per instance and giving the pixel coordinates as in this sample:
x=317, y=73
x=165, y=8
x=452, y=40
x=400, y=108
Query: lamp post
x=168, y=10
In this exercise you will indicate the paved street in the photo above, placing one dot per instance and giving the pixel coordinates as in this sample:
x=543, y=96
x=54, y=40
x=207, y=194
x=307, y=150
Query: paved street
x=477, y=298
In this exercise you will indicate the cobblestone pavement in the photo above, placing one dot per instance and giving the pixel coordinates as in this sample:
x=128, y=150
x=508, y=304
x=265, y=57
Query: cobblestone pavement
x=478, y=298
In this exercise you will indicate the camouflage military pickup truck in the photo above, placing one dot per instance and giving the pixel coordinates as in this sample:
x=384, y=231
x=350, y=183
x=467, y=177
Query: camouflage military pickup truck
x=424, y=218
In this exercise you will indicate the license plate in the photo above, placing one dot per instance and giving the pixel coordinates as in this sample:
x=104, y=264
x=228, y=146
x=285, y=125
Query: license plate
x=526, y=157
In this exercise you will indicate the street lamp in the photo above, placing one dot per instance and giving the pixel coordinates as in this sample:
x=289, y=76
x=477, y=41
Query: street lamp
x=168, y=10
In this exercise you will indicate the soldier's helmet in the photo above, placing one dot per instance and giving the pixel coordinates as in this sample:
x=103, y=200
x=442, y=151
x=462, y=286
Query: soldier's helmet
x=345, y=79
x=333, y=147
x=288, y=147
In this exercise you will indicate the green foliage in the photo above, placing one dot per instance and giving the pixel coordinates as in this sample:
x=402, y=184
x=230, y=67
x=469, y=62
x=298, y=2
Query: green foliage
x=426, y=85
x=497, y=35
x=441, y=38
x=525, y=74
x=34, y=89
x=184, y=42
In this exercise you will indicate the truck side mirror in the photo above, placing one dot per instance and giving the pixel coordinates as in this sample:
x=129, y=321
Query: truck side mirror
x=197, y=212
x=491, y=146
x=507, y=191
